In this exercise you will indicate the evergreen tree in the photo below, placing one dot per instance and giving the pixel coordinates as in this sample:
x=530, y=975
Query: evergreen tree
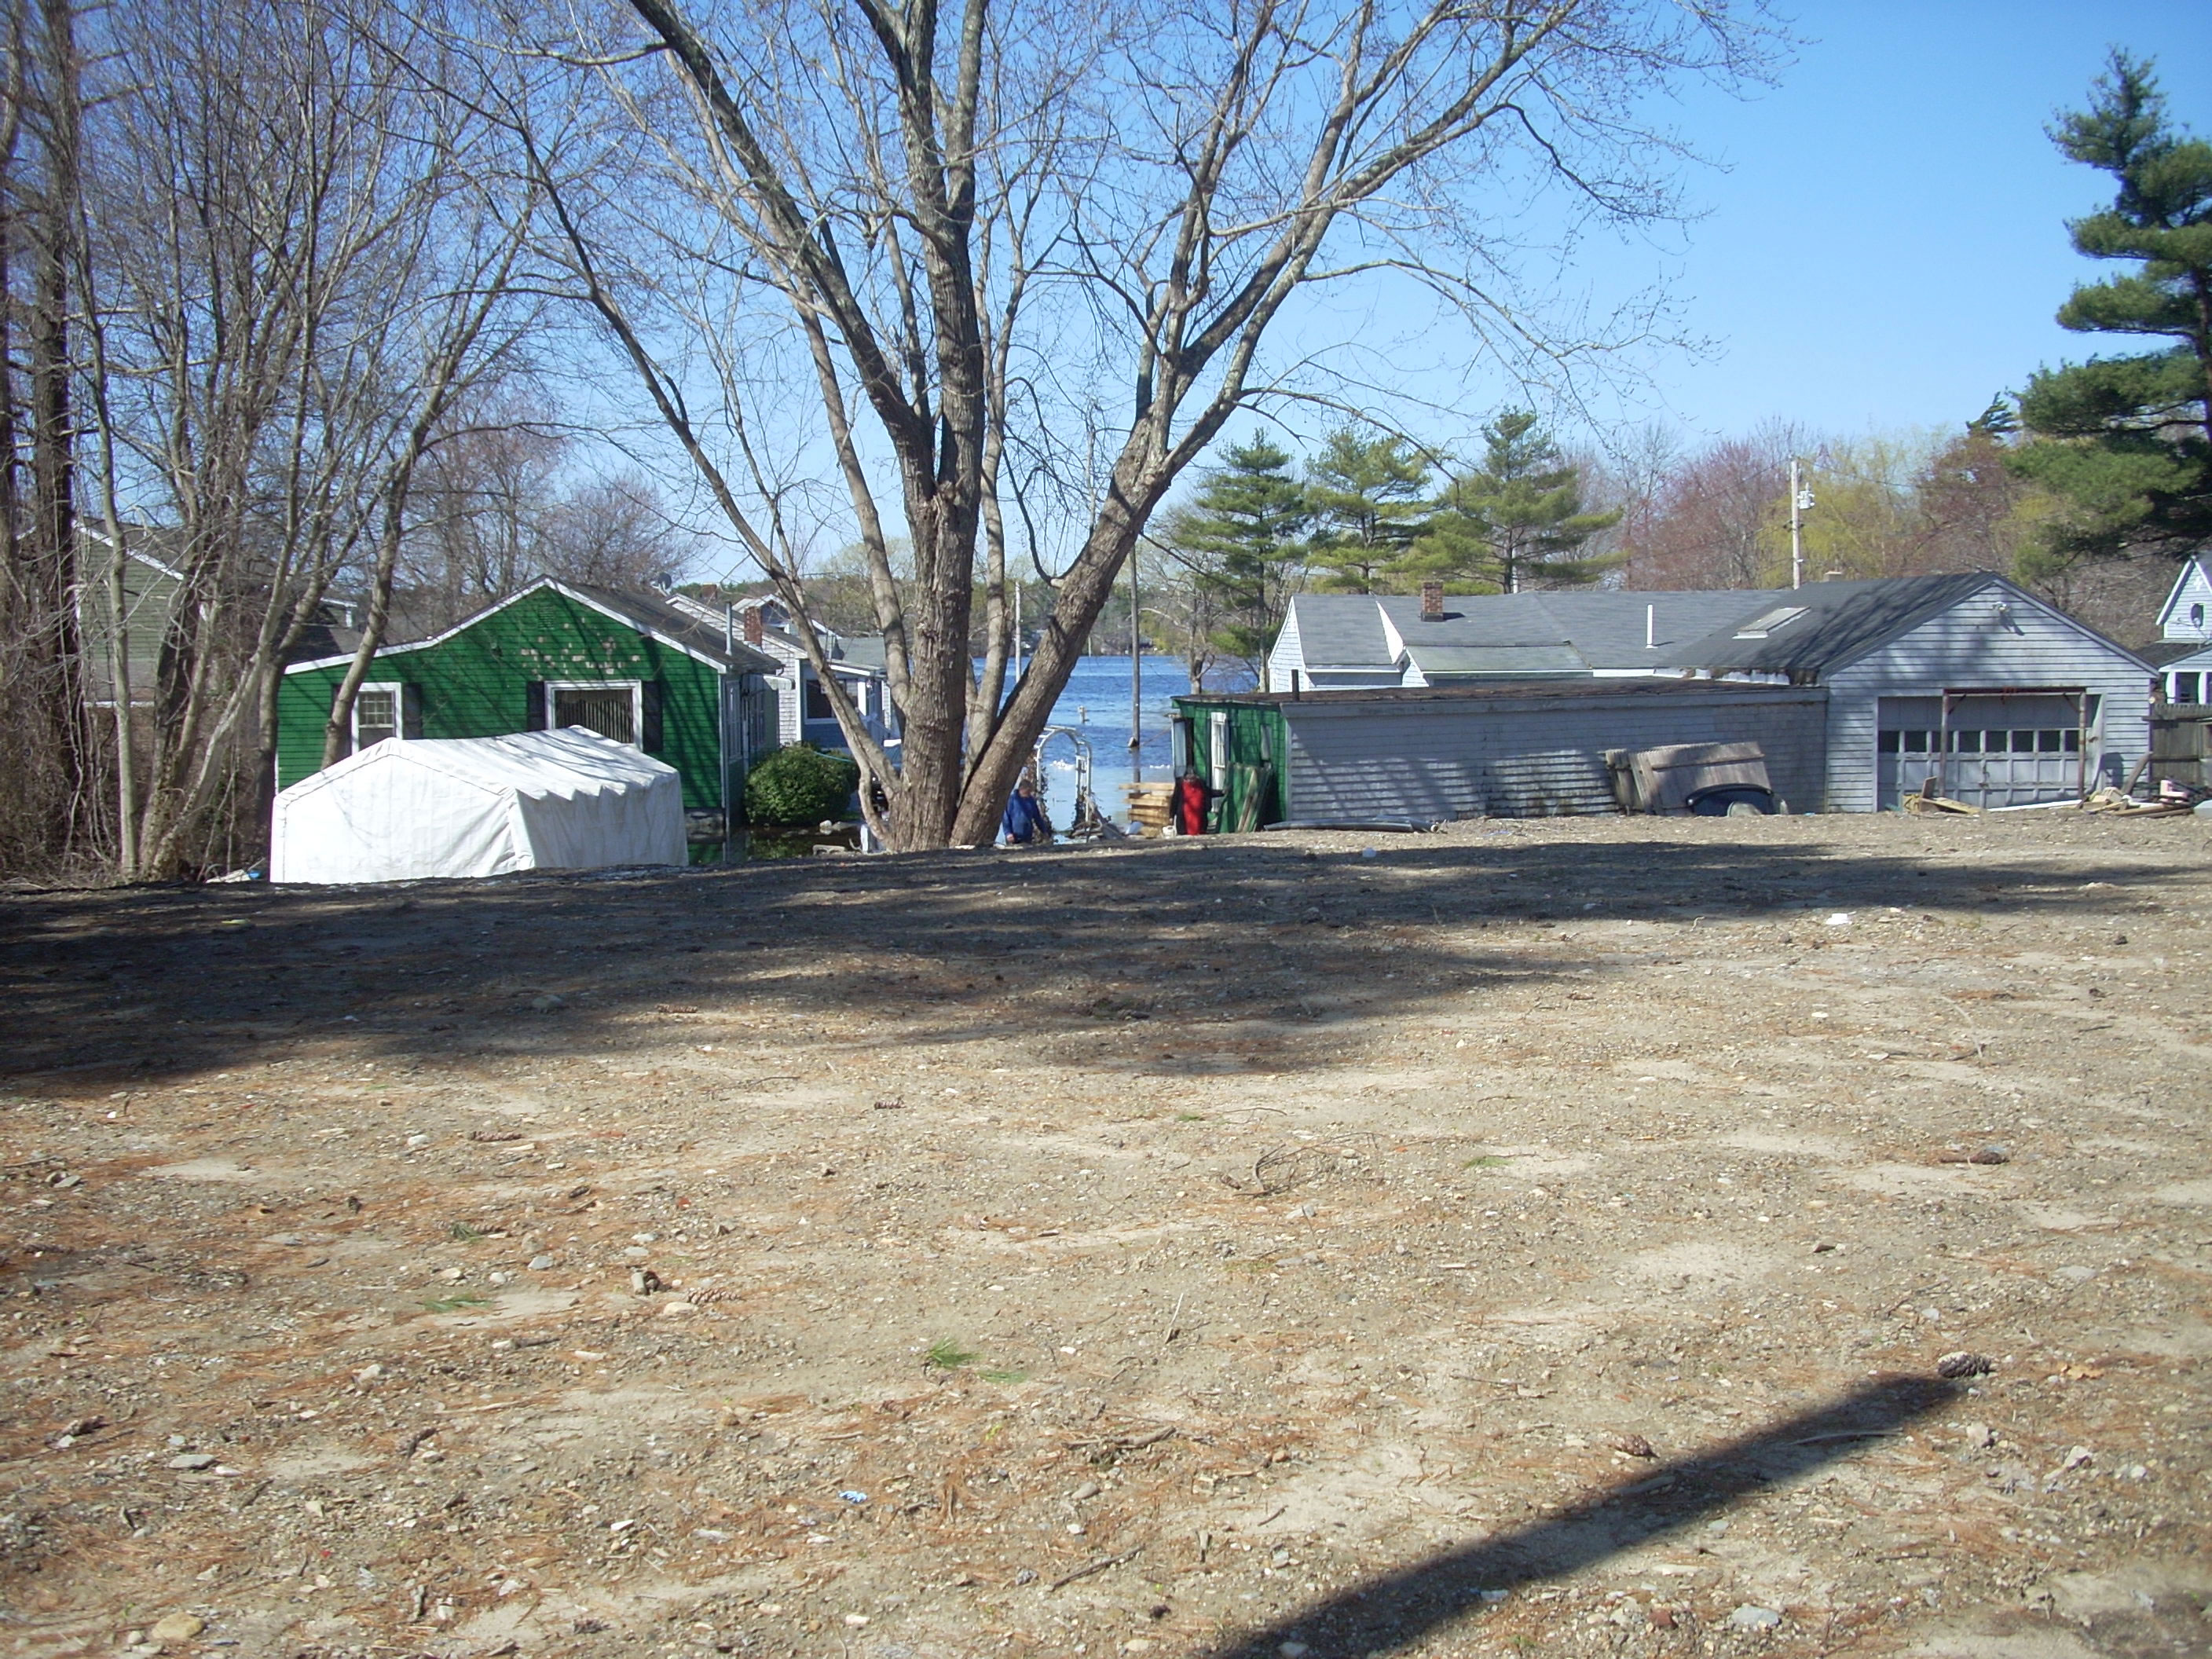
x=1514, y=520
x=1240, y=538
x=2125, y=442
x=1367, y=500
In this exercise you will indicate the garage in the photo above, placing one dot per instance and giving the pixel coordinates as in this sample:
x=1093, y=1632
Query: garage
x=2002, y=748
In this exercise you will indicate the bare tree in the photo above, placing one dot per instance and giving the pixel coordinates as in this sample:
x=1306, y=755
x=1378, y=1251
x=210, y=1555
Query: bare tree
x=1708, y=519
x=971, y=229
x=54, y=807
x=499, y=501
x=297, y=263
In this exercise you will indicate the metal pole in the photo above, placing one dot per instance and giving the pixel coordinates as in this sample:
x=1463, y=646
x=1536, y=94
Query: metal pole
x=1796, y=539
x=1136, y=677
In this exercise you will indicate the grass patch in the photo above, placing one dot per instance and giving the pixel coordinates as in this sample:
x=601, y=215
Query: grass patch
x=1190, y=1117
x=1488, y=1161
x=947, y=1355
x=467, y=1234
x=455, y=1303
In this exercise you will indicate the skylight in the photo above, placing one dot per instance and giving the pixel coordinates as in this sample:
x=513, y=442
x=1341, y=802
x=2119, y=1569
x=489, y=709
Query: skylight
x=1772, y=623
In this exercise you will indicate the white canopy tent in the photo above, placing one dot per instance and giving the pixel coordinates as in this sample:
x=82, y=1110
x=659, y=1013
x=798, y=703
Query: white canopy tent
x=403, y=810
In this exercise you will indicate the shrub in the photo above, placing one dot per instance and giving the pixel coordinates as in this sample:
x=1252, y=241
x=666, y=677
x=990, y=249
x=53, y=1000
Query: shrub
x=800, y=784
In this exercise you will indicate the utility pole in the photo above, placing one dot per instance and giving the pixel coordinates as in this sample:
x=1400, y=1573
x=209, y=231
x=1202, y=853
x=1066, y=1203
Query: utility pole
x=1800, y=500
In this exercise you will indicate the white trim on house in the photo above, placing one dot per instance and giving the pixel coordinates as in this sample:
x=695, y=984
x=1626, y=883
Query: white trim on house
x=635, y=687
x=2197, y=665
x=101, y=535
x=560, y=587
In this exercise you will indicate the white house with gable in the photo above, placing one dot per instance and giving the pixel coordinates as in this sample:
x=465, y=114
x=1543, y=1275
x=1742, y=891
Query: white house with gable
x=2185, y=632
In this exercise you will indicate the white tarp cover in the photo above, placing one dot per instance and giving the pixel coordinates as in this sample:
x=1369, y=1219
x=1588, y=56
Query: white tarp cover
x=478, y=806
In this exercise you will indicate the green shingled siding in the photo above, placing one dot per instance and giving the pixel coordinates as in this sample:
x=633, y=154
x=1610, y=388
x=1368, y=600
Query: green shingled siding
x=475, y=685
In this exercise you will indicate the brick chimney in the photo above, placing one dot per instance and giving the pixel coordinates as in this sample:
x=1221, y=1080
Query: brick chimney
x=752, y=625
x=1432, y=601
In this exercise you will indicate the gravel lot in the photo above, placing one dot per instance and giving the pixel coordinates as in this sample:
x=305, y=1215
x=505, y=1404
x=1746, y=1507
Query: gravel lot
x=1526, y=1237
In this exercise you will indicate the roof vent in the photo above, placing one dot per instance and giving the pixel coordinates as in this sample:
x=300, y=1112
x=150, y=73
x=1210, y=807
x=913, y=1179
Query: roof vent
x=1773, y=622
x=1432, y=601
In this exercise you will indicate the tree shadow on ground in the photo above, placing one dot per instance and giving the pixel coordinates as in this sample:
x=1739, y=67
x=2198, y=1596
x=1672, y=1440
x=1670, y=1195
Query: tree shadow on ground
x=1402, y=1607
x=1228, y=953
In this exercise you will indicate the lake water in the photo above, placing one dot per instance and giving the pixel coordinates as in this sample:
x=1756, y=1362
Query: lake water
x=1095, y=707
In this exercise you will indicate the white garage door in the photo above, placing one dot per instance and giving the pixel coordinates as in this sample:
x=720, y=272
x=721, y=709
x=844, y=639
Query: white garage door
x=2003, y=750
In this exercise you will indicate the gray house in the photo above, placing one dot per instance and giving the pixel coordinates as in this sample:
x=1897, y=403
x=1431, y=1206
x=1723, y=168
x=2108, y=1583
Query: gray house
x=1967, y=679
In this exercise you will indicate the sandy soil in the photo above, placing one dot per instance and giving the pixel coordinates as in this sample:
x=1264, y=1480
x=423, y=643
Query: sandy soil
x=1535, y=1237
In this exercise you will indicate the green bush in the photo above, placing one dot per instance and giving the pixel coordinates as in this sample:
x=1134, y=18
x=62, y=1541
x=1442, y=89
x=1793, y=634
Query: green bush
x=800, y=784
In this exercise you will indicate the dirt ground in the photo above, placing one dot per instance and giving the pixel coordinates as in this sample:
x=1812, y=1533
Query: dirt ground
x=1535, y=1237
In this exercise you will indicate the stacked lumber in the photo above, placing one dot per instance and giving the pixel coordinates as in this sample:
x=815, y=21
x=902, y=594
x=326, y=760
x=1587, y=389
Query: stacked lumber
x=1151, y=805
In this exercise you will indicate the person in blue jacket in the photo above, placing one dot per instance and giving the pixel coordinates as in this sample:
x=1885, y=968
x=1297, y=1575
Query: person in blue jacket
x=1026, y=824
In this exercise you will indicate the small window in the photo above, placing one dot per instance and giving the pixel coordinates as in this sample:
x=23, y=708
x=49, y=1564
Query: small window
x=2023, y=742
x=1773, y=622
x=611, y=710
x=1966, y=743
x=1916, y=743
x=818, y=702
x=376, y=715
x=1887, y=741
x=2049, y=743
x=2072, y=741
x=2186, y=687
x=2196, y=616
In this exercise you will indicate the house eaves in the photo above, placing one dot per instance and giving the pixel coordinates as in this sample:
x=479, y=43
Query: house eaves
x=615, y=608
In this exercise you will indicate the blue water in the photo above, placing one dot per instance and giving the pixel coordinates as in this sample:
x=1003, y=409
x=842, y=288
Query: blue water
x=1096, y=706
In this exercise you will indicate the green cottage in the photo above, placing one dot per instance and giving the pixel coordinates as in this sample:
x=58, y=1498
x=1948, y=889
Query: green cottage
x=627, y=666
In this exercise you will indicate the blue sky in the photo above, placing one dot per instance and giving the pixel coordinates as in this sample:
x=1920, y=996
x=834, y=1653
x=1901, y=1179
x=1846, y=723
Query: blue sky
x=1887, y=247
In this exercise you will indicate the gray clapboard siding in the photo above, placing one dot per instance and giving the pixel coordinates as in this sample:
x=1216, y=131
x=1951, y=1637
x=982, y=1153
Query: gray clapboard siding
x=1534, y=754
x=1999, y=637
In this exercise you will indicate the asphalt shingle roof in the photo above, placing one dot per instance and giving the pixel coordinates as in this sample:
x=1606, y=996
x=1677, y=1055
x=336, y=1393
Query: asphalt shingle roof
x=1842, y=621
x=1340, y=631
x=1838, y=622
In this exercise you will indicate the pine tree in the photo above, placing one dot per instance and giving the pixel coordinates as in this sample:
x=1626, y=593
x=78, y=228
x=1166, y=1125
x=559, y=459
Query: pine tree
x=2125, y=442
x=1367, y=499
x=1514, y=520
x=1240, y=538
